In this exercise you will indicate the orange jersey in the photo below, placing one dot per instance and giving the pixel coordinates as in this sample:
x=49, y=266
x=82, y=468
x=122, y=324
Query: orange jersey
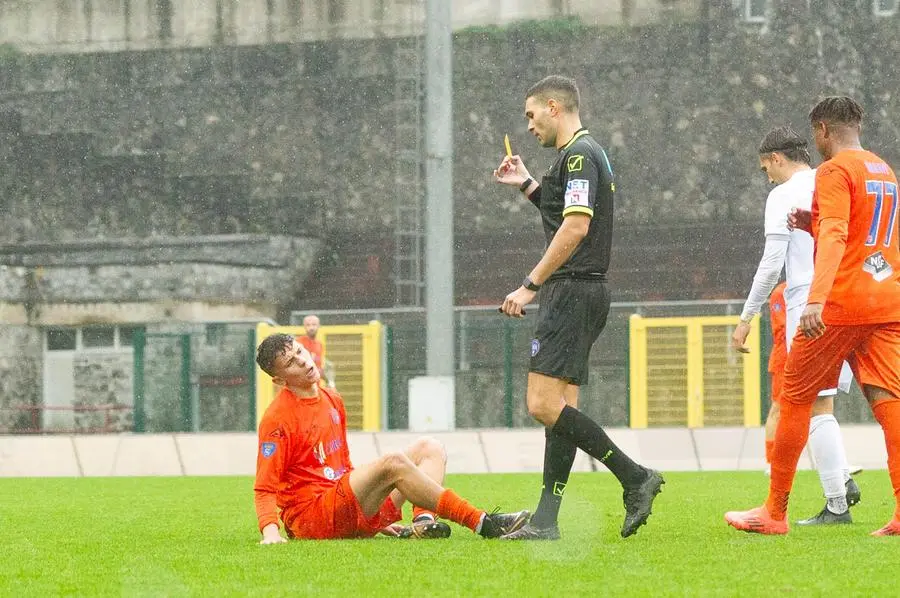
x=302, y=451
x=856, y=195
x=314, y=347
x=777, y=318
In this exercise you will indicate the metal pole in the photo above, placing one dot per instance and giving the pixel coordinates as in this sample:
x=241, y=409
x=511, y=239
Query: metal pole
x=186, y=411
x=507, y=373
x=139, y=341
x=439, y=189
x=251, y=378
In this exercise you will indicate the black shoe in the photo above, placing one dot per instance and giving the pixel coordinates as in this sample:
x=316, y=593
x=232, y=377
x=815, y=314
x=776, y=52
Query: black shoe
x=853, y=493
x=426, y=529
x=500, y=524
x=531, y=532
x=826, y=517
x=639, y=500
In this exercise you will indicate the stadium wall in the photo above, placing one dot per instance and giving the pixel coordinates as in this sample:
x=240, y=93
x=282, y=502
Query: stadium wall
x=300, y=136
x=470, y=451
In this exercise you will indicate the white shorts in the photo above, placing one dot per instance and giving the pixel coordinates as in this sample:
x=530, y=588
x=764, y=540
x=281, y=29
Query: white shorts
x=792, y=322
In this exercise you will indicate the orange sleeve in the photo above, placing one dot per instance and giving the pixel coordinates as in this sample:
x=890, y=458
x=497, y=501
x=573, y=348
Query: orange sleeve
x=830, y=245
x=832, y=193
x=831, y=226
x=270, y=461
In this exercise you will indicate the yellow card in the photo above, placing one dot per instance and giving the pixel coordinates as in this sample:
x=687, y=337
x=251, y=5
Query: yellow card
x=508, y=148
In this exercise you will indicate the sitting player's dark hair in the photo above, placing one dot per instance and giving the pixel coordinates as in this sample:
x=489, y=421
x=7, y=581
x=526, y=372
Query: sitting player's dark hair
x=785, y=140
x=837, y=110
x=269, y=350
x=562, y=89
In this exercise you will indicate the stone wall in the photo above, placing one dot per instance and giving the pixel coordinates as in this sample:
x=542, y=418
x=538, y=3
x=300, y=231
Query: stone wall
x=300, y=136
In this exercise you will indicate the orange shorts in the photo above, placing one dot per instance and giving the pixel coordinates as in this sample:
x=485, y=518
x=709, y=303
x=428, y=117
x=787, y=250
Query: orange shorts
x=335, y=513
x=872, y=350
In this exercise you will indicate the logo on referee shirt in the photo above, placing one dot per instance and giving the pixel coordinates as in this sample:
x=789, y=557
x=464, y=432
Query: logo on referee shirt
x=535, y=346
x=267, y=449
x=575, y=163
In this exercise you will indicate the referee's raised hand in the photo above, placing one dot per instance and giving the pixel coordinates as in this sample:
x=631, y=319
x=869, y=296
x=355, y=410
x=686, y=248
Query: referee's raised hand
x=511, y=171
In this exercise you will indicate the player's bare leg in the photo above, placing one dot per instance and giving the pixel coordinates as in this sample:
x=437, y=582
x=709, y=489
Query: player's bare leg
x=641, y=485
x=430, y=457
x=374, y=482
x=886, y=408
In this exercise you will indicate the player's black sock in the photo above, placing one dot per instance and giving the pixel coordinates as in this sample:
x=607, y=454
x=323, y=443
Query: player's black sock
x=589, y=437
x=559, y=455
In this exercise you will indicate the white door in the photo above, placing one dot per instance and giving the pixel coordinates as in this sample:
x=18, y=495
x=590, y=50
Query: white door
x=59, y=391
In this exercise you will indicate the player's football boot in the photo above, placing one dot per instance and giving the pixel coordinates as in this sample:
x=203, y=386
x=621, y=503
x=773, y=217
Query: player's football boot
x=496, y=524
x=853, y=493
x=426, y=529
x=757, y=521
x=531, y=532
x=891, y=529
x=826, y=517
x=639, y=501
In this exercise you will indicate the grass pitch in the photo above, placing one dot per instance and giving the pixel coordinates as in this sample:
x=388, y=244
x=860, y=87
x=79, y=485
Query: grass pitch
x=197, y=537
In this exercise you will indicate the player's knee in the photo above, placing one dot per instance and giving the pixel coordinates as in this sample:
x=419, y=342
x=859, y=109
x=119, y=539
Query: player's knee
x=428, y=448
x=542, y=412
x=395, y=464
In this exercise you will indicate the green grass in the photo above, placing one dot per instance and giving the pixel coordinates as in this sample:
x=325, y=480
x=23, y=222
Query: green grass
x=197, y=537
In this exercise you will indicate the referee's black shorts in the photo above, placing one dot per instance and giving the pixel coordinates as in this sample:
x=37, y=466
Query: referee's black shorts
x=571, y=316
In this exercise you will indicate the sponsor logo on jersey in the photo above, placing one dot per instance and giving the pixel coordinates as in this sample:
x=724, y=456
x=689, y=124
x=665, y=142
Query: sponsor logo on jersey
x=877, y=266
x=319, y=452
x=578, y=193
x=267, y=449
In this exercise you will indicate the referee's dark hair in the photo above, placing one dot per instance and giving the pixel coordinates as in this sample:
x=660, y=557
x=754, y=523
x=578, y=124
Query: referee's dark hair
x=785, y=140
x=837, y=110
x=270, y=349
x=562, y=89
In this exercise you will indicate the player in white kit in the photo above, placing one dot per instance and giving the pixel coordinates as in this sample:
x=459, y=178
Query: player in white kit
x=784, y=158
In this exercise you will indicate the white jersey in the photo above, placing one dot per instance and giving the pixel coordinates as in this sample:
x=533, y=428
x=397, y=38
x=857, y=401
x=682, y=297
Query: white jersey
x=796, y=192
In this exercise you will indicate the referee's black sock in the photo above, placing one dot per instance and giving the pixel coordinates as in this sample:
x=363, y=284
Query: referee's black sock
x=559, y=455
x=582, y=431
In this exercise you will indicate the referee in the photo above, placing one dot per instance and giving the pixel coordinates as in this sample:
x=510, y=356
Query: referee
x=575, y=198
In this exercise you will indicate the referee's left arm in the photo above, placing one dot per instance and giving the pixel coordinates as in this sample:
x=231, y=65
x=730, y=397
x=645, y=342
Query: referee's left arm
x=581, y=183
x=566, y=240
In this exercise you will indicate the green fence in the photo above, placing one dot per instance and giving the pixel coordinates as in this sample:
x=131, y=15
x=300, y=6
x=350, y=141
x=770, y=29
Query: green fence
x=199, y=381
x=492, y=354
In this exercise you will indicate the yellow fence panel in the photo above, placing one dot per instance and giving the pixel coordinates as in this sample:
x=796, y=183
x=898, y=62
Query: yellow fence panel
x=684, y=373
x=355, y=353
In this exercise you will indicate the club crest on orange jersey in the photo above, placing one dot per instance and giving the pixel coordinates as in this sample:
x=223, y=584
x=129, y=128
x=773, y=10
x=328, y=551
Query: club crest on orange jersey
x=267, y=449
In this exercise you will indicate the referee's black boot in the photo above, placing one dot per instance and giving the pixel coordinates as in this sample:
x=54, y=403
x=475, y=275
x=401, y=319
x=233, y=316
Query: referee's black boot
x=639, y=501
x=532, y=532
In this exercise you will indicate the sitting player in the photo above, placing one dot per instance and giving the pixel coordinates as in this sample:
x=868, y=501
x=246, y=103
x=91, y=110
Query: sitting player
x=303, y=468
